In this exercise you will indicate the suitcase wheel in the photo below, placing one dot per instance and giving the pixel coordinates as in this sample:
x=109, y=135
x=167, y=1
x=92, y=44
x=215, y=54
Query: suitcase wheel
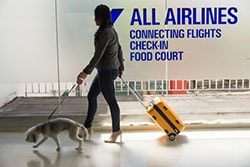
x=171, y=136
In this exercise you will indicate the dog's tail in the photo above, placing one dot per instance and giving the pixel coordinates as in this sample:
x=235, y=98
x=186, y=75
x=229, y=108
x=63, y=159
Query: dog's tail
x=83, y=132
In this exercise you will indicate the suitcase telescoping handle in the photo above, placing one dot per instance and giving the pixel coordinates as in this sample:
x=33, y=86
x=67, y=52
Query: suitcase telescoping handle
x=138, y=96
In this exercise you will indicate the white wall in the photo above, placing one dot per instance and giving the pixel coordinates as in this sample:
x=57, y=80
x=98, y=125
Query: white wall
x=27, y=43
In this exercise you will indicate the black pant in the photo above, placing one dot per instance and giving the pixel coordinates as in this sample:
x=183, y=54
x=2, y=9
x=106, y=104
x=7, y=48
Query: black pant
x=103, y=82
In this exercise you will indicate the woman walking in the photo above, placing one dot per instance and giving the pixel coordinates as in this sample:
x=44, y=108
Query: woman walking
x=108, y=60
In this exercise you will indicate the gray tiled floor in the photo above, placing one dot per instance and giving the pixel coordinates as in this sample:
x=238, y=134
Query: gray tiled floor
x=193, y=148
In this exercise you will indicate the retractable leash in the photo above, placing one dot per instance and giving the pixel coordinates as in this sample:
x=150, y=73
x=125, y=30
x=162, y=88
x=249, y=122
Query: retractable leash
x=65, y=94
x=139, y=98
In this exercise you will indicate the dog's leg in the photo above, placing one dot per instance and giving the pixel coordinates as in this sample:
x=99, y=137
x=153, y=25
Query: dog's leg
x=84, y=131
x=57, y=141
x=41, y=142
x=73, y=135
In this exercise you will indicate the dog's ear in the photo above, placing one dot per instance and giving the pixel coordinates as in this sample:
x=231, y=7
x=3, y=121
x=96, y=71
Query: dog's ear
x=34, y=138
x=39, y=127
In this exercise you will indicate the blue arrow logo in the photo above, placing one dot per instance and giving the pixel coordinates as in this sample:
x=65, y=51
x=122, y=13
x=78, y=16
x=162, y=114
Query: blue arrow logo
x=115, y=13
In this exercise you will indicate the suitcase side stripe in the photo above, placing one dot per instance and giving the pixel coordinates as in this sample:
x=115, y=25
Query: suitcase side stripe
x=166, y=118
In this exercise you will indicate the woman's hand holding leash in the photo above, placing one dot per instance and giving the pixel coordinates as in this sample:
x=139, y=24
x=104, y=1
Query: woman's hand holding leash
x=81, y=77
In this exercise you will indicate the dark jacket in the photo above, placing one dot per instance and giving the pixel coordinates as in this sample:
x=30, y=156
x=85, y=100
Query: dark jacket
x=108, y=52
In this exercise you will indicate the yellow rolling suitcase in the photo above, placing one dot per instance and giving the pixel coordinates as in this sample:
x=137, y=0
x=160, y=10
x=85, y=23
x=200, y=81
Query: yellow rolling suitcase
x=163, y=115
